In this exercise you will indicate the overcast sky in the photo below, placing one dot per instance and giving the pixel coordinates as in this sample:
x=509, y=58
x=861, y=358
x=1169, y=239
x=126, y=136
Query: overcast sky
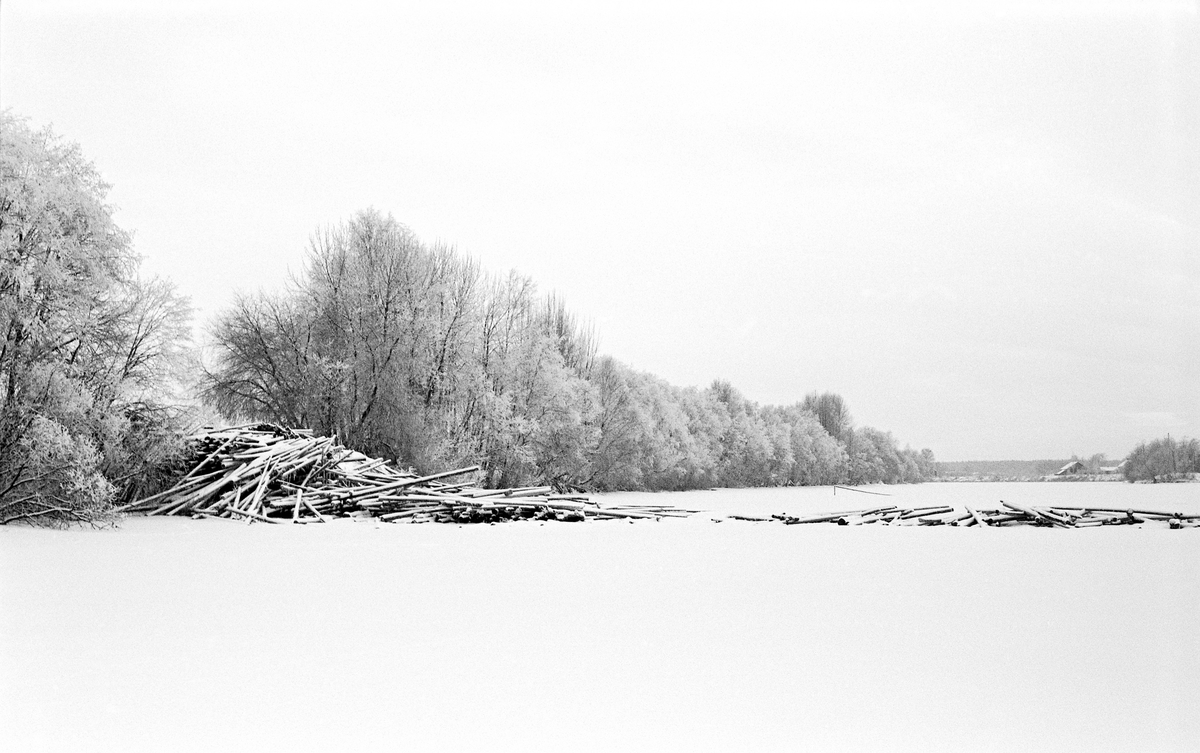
x=981, y=227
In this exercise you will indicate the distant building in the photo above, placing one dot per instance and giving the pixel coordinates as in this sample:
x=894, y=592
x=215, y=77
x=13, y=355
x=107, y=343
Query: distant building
x=1118, y=468
x=1070, y=469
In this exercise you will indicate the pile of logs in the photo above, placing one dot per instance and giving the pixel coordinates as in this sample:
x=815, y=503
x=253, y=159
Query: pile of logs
x=271, y=474
x=1011, y=514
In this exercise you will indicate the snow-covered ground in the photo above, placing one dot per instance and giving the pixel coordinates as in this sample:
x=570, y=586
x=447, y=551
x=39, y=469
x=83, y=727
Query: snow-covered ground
x=689, y=635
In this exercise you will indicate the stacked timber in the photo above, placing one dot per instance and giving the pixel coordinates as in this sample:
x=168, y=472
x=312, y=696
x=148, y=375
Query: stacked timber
x=272, y=474
x=1010, y=514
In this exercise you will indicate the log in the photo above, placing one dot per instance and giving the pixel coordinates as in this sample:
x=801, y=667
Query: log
x=1122, y=511
x=860, y=491
x=253, y=515
x=192, y=483
x=827, y=518
x=921, y=512
x=607, y=513
x=1047, y=516
x=314, y=511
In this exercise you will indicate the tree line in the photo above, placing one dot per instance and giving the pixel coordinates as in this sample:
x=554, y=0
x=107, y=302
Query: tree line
x=1002, y=469
x=411, y=351
x=402, y=349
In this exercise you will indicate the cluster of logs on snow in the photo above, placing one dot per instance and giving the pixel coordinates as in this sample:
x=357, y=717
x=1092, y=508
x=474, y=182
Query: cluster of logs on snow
x=273, y=474
x=1011, y=514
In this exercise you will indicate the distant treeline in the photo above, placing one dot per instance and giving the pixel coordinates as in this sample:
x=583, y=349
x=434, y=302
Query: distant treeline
x=410, y=351
x=1018, y=469
x=1163, y=460
x=1159, y=460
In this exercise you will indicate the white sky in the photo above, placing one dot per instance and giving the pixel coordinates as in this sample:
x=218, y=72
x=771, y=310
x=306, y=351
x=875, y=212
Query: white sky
x=980, y=226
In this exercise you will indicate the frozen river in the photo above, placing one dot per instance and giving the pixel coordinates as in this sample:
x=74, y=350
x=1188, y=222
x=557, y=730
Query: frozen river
x=183, y=635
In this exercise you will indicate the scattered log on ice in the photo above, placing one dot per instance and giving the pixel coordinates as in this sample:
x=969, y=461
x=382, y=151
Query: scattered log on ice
x=1009, y=514
x=268, y=473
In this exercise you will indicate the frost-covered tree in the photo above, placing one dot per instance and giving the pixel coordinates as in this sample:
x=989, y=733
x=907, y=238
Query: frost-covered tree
x=1163, y=459
x=408, y=351
x=831, y=410
x=88, y=349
